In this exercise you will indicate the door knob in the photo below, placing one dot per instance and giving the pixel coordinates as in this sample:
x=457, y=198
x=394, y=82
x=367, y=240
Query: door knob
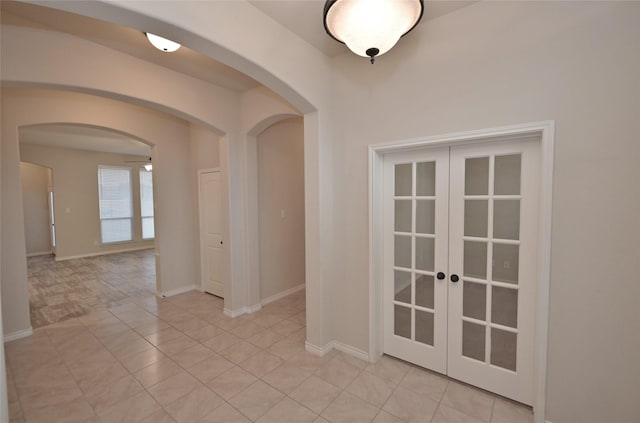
x=220, y=242
x=454, y=278
x=440, y=276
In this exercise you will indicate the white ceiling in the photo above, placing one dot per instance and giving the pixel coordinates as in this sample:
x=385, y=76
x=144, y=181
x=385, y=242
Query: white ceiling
x=83, y=137
x=304, y=18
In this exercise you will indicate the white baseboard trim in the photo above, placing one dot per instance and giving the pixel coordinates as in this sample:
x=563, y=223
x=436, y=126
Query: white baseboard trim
x=18, y=334
x=352, y=351
x=254, y=308
x=234, y=313
x=282, y=294
x=319, y=351
x=41, y=253
x=104, y=253
x=177, y=291
x=347, y=349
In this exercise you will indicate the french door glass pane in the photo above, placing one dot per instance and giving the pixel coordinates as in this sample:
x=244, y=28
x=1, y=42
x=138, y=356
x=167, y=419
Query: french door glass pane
x=404, y=176
x=425, y=216
x=503, y=348
x=475, y=259
x=402, y=286
x=426, y=179
x=402, y=321
x=474, y=300
x=507, y=175
x=424, y=291
x=473, y=340
x=476, y=180
x=475, y=218
x=505, y=263
x=506, y=219
x=425, y=252
x=402, y=216
x=424, y=327
x=504, y=306
x=402, y=251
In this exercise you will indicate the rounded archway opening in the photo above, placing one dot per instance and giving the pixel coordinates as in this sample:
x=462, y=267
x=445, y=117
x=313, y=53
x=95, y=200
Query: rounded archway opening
x=275, y=149
x=98, y=218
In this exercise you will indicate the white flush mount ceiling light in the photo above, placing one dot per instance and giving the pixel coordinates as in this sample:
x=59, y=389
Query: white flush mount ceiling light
x=162, y=43
x=370, y=28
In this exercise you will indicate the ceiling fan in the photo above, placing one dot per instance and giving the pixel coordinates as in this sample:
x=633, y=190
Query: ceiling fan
x=148, y=166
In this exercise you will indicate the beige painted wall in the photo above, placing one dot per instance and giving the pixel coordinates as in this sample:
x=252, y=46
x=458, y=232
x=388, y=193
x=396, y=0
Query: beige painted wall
x=35, y=203
x=281, y=190
x=4, y=397
x=75, y=174
x=503, y=63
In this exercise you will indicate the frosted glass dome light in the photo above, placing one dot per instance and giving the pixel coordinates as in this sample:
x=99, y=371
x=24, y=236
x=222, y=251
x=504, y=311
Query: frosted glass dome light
x=162, y=43
x=370, y=28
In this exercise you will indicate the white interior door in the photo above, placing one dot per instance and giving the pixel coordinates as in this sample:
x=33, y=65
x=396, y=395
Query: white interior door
x=211, y=233
x=492, y=253
x=415, y=256
x=475, y=225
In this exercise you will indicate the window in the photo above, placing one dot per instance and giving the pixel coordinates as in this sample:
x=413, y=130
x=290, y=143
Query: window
x=146, y=203
x=116, y=204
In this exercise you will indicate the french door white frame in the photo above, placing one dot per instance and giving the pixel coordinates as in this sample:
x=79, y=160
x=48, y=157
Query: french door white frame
x=545, y=130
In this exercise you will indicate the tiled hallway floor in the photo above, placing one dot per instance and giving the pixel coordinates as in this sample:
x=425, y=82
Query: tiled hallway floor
x=182, y=360
x=59, y=290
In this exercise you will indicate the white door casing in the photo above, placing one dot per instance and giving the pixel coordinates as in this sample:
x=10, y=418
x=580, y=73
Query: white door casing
x=540, y=261
x=211, y=232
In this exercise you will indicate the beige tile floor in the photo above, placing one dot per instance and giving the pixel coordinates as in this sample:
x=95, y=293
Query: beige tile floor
x=182, y=360
x=60, y=290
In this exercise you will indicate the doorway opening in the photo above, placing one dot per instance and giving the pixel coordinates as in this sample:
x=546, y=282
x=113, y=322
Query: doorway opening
x=39, y=218
x=95, y=210
x=281, y=211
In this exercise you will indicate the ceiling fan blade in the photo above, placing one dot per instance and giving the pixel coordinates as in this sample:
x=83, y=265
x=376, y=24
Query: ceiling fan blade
x=138, y=161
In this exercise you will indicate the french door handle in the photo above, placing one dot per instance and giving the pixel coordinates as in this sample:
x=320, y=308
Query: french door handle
x=454, y=278
x=441, y=276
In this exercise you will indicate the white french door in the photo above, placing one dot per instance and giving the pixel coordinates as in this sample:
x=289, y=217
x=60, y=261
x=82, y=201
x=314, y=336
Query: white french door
x=416, y=216
x=459, y=262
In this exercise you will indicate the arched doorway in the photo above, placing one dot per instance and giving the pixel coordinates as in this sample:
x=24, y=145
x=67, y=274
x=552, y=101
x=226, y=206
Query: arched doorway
x=102, y=219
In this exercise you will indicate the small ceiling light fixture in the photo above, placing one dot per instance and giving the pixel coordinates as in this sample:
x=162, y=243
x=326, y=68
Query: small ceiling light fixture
x=162, y=43
x=370, y=28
